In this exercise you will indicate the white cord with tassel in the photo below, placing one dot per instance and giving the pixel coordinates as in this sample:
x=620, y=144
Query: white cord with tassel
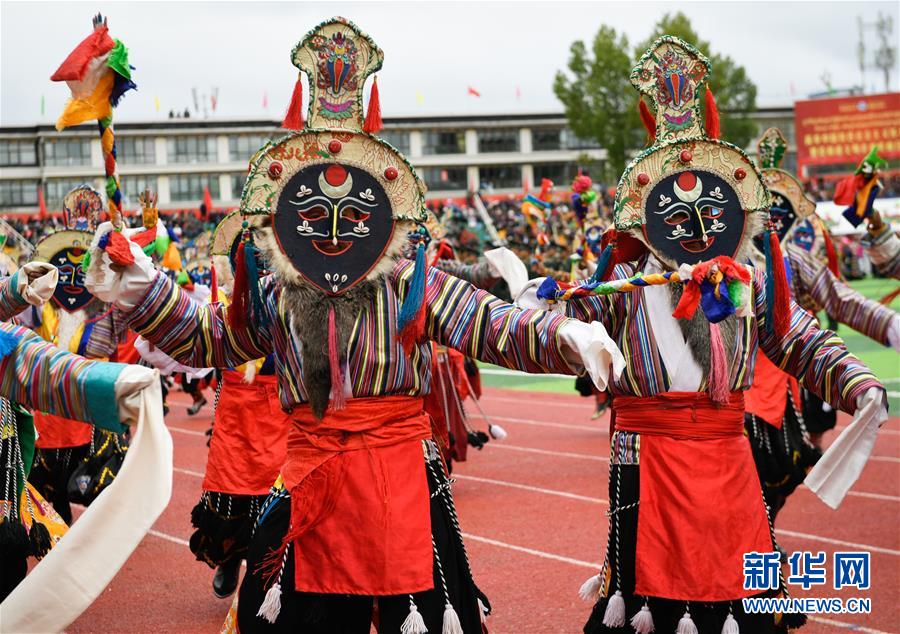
x=730, y=626
x=614, y=616
x=590, y=589
x=415, y=622
x=642, y=622
x=271, y=605
x=686, y=625
x=451, y=618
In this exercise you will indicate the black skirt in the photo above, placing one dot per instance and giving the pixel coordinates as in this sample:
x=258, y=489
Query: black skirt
x=328, y=613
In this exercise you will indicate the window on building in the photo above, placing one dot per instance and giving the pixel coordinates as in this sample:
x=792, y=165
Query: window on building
x=544, y=139
x=136, y=150
x=444, y=178
x=500, y=176
x=244, y=146
x=192, y=149
x=134, y=186
x=18, y=153
x=18, y=193
x=400, y=140
x=237, y=185
x=443, y=142
x=67, y=152
x=560, y=173
x=498, y=140
x=56, y=189
x=189, y=187
x=571, y=142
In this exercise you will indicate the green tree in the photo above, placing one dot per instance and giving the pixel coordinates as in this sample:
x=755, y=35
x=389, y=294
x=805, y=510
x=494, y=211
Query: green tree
x=599, y=100
x=735, y=93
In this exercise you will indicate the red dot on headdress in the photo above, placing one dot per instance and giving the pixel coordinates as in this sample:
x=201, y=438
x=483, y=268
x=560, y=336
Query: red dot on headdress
x=687, y=181
x=335, y=175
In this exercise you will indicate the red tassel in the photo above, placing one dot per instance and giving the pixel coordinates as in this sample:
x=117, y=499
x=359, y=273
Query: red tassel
x=293, y=120
x=119, y=250
x=689, y=301
x=782, y=308
x=414, y=330
x=240, y=294
x=718, y=387
x=712, y=115
x=338, y=401
x=373, y=121
x=831, y=253
x=648, y=120
x=213, y=285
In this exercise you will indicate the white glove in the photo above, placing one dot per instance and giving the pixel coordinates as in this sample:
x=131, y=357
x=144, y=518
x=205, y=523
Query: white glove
x=125, y=287
x=129, y=384
x=893, y=335
x=164, y=363
x=841, y=465
x=36, y=282
x=506, y=265
x=588, y=347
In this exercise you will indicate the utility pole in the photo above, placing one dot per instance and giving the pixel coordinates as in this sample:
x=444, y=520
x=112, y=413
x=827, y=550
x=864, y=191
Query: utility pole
x=886, y=55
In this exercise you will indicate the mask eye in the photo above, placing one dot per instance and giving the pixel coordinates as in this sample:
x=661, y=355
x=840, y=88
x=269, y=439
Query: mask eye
x=354, y=215
x=677, y=218
x=314, y=213
x=712, y=212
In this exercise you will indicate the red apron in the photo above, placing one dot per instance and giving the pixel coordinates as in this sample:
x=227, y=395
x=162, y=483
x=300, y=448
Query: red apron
x=249, y=441
x=701, y=506
x=767, y=397
x=360, y=519
x=56, y=432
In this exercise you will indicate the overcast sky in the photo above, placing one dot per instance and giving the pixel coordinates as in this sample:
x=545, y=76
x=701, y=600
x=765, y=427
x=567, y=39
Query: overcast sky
x=433, y=51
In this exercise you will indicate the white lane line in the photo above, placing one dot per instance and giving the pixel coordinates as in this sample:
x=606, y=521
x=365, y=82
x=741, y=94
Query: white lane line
x=846, y=626
x=525, y=487
x=182, y=430
x=196, y=474
x=838, y=542
x=532, y=551
x=548, y=452
x=540, y=423
x=169, y=538
x=884, y=459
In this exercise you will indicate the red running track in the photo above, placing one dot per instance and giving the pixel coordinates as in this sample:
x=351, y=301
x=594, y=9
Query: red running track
x=532, y=508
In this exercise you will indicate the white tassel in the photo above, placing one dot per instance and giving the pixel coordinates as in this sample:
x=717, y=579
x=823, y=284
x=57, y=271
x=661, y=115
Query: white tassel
x=590, y=589
x=615, y=611
x=451, y=621
x=271, y=605
x=686, y=625
x=731, y=626
x=250, y=372
x=482, y=611
x=497, y=432
x=414, y=623
x=642, y=622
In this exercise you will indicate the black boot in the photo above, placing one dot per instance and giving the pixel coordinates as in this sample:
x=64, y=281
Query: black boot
x=225, y=581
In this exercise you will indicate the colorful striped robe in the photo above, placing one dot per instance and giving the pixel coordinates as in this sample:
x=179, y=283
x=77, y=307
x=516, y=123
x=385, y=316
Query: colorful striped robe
x=457, y=315
x=11, y=301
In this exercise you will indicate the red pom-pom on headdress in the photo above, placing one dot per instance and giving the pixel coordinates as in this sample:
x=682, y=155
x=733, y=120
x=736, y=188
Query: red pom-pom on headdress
x=293, y=120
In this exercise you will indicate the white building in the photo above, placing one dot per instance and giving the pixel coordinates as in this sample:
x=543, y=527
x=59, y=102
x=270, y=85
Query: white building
x=178, y=157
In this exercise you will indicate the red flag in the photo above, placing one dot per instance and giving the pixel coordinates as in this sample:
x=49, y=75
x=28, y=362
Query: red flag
x=207, y=201
x=518, y=92
x=42, y=214
x=265, y=101
x=474, y=92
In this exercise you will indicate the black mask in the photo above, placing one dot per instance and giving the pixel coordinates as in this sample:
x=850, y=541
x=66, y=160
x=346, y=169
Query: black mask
x=804, y=236
x=334, y=223
x=783, y=217
x=70, y=293
x=694, y=216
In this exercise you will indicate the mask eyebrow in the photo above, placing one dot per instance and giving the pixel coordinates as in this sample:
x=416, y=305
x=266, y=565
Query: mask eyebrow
x=672, y=208
x=355, y=201
x=716, y=201
x=308, y=203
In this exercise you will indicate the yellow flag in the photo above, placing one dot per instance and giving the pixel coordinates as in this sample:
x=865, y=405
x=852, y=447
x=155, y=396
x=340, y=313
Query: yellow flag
x=156, y=103
x=420, y=98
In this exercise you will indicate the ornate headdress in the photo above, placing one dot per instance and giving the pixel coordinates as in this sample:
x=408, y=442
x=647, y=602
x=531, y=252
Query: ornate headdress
x=81, y=208
x=790, y=204
x=690, y=196
x=332, y=190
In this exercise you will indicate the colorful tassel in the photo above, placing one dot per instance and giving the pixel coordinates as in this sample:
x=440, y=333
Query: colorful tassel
x=240, y=294
x=712, y=115
x=213, y=285
x=373, y=121
x=831, y=253
x=411, y=321
x=648, y=120
x=451, y=621
x=686, y=625
x=548, y=289
x=117, y=248
x=730, y=626
x=642, y=622
x=271, y=605
x=779, y=302
x=256, y=302
x=590, y=589
x=338, y=401
x=601, y=274
x=718, y=366
x=614, y=616
x=8, y=343
x=414, y=622
x=293, y=119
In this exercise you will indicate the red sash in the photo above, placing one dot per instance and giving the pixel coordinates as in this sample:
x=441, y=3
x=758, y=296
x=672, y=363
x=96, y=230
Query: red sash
x=360, y=519
x=249, y=444
x=701, y=505
x=767, y=397
x=56, y=432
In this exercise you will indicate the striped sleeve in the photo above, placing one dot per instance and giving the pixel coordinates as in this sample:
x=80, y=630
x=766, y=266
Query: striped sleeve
x=197, y=335
x=609, y=310
x=818, y=358
x=11, y=301
x=837, y=299
x=41, y=376
x=479, y=275
x=884, y=251
x=479, y=325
